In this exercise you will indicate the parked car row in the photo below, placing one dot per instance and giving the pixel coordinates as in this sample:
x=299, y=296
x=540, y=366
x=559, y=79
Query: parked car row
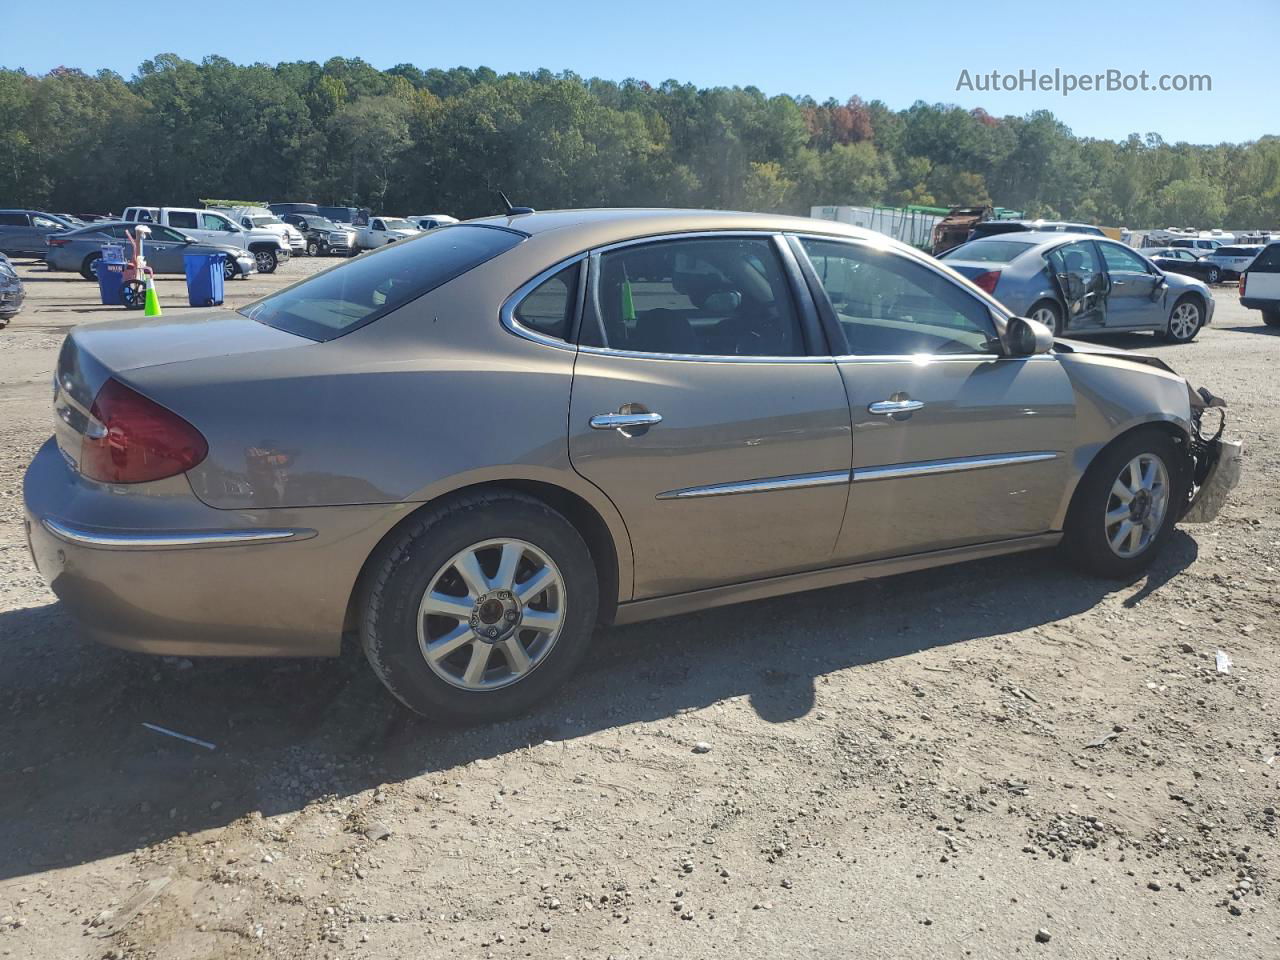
x=165, y=249
x=12, y=292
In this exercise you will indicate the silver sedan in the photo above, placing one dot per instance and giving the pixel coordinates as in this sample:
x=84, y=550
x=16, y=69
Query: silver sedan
x=474, y=446
x=1080, y=285
x=165, y=249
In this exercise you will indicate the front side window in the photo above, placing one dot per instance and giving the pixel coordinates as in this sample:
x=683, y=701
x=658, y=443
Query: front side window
x=360, y=291
x=889, y=305
x=714, y=296
x=44, y=223
x=1121, y=260
x=210, y=221
x=13, y=220
x=549, y=308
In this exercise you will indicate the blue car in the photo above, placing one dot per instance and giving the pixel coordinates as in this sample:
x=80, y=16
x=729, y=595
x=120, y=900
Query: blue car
x=11, y=292
x=1078, y=285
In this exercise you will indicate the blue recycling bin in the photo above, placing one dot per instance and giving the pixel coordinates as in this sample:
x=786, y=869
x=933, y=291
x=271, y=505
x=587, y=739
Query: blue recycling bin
x=204, y=278
x=110, y=282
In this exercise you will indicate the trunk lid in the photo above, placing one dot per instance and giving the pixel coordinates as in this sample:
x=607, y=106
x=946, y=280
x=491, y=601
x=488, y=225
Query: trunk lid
x=94, y=353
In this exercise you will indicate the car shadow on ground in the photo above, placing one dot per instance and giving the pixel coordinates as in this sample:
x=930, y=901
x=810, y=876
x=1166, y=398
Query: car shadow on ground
x=1261, y=328
x=82, y=779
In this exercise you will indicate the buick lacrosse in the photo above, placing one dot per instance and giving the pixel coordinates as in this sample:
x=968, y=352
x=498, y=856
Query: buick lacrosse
x=472, y=447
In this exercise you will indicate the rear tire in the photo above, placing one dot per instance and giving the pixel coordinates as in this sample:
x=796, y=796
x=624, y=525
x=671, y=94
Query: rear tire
x=87, y=269
x=1048, y=313
x=422, y=564
x=230, y=269
x=1214, y=276
x=1271, y=318
x=1095, y=522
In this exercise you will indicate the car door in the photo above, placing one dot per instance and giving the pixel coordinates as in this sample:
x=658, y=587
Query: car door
x=954, y=443
x=1133, y=302
x=1078, y=273
x=707, y=410
x=165, y=250
x=42, y=227
x=377, y=233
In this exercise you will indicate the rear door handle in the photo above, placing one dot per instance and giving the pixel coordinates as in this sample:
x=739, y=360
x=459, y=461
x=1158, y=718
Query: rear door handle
x=887, y=408
x=627, y=424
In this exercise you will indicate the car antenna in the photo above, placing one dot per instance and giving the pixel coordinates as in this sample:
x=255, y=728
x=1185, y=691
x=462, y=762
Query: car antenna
x=513, y=211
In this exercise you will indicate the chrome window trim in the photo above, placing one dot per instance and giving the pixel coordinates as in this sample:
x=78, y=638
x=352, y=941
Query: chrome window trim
x=141, y=540
x=927, y=468
x=801, y=481
x=927, y=359
x=507, y=312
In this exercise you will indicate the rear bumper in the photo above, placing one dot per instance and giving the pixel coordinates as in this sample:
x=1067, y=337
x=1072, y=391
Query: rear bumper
x=1259, y=303
x=161, y=572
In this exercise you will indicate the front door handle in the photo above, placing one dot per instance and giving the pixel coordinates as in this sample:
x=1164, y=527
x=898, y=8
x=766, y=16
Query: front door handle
x=887, y=408
x=627, y=424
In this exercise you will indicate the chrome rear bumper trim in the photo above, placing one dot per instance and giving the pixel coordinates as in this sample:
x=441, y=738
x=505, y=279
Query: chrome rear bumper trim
x=169, y=539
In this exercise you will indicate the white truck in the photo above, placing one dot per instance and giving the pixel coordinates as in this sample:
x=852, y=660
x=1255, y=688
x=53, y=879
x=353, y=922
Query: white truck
x=260, y=218
x=380, y=231
x=1260, y=285
x=268, y=248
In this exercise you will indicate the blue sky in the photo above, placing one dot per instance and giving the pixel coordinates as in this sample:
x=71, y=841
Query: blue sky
x=898, y=52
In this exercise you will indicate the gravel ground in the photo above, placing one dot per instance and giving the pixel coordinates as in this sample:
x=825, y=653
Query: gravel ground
x=995, y=760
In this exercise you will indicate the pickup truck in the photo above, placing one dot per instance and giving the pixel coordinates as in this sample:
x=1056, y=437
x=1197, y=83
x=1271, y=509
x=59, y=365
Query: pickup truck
x=268, y=248
x=1260, y=285
x=380, y=231
x=260, y=218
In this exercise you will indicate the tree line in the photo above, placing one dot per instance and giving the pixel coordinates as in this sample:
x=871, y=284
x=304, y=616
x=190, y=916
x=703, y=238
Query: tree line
x=407, y=140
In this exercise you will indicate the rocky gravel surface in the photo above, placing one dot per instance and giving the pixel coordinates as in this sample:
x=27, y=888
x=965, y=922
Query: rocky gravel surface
x=1001, y=759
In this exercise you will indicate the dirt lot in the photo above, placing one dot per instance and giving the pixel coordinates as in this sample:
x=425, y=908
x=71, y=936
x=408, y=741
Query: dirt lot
x=943, y=764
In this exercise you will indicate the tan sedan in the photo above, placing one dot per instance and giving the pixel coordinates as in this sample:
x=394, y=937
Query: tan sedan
x=476, y=445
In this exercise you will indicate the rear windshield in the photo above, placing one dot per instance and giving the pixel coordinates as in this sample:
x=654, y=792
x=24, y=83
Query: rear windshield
x=359, y=291
x=1236, y=251
x=988, y=251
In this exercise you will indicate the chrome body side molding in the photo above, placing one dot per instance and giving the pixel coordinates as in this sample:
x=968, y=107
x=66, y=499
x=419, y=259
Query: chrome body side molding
x=167, y=539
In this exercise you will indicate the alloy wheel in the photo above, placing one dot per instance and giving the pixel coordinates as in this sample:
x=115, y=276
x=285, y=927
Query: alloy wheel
x=1047, y=317
x=1137, y=505
x=1213, y=276
x=491, y=614
x=266, y=261
x=1185, y=321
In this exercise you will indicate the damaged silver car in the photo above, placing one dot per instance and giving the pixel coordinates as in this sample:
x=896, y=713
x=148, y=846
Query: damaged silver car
x=474, y=446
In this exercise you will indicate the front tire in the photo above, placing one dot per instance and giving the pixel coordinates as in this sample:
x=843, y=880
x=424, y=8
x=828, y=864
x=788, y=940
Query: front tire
x=1124, y=510
x=313, y=248
x=1214, y=276
x=479, y=608
x=266, y=260
x=1185, y=321
x=1048, y=313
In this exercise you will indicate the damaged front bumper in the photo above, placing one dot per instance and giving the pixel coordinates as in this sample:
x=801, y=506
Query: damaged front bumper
x=1215, y=462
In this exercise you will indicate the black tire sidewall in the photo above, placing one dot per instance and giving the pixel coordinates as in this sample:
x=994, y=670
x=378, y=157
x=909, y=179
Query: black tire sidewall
x=399, y=577
x=86, y=268
x=1084, y=535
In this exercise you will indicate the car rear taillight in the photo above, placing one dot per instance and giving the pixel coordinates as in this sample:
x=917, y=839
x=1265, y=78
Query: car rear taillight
x=56, y=241
x=1243, y=278
x=135, y=440
x=987, y=281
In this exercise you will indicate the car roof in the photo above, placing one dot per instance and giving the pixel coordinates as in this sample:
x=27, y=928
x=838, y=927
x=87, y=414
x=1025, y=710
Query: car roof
x=594, y=227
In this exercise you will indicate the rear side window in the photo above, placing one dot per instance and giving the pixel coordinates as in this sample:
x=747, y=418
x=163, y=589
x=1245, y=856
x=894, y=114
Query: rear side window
x=360, y=291
x=181, y=220
x=988, y=251
x=1268, y=260
x=549, y=307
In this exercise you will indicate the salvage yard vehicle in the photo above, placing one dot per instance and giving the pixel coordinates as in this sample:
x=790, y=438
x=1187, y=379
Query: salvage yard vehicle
x=1079, y=285
x=1233, y=260
x=1260, y=285
x=260, y=218
x=429, y=221
x=380, y=231
x=267, y=247
x=165, y=249
x=22, y=232
x=991, y=228
x=474, y=446
x=1181, y=260
x=12, y=293
x=322, y=236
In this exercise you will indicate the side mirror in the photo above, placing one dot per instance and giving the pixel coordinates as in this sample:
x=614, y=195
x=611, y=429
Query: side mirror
x=1025, y=337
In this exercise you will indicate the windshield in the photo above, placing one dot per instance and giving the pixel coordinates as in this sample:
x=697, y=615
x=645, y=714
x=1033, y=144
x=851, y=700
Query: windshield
x=394, y=224
x=988, y=251
x=359, y=291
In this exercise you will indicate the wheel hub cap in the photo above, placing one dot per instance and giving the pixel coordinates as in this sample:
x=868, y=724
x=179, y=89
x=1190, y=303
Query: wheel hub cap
x=491, y=614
